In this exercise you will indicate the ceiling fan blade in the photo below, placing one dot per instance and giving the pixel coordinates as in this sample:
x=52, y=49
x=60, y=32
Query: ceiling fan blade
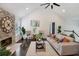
x=47, y=5
x=44, y=4
x=51, y=6
x=56, y=4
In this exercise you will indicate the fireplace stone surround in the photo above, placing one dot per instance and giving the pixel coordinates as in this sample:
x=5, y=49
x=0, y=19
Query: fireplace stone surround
x=6, y=42
x=7, y=38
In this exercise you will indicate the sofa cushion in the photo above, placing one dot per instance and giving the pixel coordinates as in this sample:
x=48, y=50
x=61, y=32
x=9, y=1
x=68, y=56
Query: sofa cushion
x=69, y=38
x=59, y=36
x=64, y=48
x=65, y=40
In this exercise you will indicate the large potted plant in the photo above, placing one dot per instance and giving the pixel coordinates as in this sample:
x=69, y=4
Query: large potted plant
x=39, y=36
x=23, y=32
x=4, y=51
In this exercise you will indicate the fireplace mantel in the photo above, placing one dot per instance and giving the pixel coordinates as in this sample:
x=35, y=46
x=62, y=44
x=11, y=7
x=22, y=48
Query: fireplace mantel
x=3, y=38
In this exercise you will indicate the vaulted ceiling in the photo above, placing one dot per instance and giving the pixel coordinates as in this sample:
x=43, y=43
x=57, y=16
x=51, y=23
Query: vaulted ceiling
x=66, y=10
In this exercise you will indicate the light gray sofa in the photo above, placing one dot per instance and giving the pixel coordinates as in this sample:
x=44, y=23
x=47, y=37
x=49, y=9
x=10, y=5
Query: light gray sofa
x=65, y=48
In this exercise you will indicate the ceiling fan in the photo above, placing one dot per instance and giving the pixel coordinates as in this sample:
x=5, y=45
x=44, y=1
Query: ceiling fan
x=50, y=4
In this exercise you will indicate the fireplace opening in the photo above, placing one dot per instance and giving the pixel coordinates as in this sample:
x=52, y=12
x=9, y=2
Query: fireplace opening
x=6, y=42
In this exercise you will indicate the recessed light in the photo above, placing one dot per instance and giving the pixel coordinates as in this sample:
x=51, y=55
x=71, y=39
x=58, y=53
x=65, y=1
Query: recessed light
x=63, y=10
x=27, y=8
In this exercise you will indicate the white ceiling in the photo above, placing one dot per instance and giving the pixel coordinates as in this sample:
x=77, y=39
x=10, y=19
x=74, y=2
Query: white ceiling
x=19, y=9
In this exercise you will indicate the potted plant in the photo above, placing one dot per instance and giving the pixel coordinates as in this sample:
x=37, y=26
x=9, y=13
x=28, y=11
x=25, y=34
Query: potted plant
x=39, y=36
x=4, y=51
x=40, y=42
x=23, y=32
x=59, y=29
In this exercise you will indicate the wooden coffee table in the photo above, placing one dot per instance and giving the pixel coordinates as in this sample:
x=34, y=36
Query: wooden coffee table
x=49, y=51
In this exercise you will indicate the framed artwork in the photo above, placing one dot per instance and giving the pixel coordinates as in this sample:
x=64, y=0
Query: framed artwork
x=35, y=23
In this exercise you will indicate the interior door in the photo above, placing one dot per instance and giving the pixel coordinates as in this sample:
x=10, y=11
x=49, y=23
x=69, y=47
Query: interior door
x=53, y=27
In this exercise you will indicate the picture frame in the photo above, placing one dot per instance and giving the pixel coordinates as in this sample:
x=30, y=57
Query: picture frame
x=35, y=23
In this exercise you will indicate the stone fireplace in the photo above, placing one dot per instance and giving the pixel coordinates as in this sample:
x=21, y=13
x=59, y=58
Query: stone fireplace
x=6, y=42
x=7, y=38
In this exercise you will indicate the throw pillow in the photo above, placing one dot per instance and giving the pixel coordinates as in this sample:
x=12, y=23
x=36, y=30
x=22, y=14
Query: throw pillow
x=66, y=40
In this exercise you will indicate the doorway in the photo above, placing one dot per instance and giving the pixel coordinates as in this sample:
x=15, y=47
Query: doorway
x=53, y=27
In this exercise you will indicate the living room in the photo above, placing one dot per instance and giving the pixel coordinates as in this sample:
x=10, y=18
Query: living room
x=25, y=27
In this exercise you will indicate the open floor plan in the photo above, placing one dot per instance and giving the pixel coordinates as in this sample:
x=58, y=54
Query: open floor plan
x=39, y=29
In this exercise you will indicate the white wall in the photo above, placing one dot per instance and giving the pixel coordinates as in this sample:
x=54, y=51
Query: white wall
x=58, y=22
x=45, y=17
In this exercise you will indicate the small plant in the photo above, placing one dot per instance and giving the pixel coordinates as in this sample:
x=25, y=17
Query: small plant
x=4, y=52
x=59, y=29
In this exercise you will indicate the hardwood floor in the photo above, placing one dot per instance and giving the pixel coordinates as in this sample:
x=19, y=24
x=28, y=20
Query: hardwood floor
x=22, y=50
